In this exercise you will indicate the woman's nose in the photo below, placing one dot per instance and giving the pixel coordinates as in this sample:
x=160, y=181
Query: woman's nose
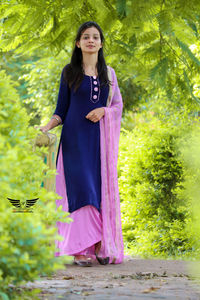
x=91, y=39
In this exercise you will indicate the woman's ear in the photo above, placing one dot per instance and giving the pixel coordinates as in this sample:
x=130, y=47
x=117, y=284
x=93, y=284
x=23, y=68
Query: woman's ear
x=78, y=44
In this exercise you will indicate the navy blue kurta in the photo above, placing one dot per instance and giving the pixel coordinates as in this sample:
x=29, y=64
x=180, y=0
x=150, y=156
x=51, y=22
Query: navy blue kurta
x=80, y=139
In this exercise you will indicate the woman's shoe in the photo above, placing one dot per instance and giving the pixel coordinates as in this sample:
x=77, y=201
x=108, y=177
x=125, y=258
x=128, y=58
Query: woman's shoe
x=83, y=263
x=102, y=260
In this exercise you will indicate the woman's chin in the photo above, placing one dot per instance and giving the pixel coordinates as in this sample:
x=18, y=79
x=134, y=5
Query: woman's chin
x=90, y=51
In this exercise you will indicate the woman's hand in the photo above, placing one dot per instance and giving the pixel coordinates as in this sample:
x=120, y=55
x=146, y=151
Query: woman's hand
x=42, y=128
x=55, y=121
x=96, y=114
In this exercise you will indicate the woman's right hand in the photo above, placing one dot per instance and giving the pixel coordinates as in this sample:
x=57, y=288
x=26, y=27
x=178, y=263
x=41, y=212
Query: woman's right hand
x=42, y=128
x=55, y=121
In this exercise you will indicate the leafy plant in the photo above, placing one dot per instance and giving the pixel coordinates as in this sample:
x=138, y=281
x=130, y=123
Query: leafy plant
x=27, y=240
x=156, y=212
x=149, y=43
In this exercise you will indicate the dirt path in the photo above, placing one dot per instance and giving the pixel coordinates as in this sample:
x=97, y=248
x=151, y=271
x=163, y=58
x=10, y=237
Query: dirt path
x=136, y=279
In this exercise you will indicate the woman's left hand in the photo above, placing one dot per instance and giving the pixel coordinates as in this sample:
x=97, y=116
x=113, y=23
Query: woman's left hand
x=96, y=114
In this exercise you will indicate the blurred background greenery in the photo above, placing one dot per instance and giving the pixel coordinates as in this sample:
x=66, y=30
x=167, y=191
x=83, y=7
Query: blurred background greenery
x=154, y=48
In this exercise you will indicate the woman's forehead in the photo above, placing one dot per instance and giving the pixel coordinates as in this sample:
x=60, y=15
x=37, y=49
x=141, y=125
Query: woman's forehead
x=91, y=30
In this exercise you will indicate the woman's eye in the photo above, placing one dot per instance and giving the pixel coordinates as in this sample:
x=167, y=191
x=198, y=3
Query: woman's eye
x=86, y=37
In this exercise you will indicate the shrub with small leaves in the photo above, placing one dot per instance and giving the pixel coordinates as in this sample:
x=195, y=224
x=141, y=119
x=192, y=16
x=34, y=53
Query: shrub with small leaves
x=155, y=209
x=27, y=239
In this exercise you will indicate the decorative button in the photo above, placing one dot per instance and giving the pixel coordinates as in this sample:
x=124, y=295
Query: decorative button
x=94, y=89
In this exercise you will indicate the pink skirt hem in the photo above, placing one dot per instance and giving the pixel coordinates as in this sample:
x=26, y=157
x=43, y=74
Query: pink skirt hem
x=79, y=236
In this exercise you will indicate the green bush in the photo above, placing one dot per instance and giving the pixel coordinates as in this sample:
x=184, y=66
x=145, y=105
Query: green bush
x=27, y=240
x=190, y=150
x=155, y=209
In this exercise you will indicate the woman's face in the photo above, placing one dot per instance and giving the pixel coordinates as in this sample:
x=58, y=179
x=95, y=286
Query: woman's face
x=90, y=41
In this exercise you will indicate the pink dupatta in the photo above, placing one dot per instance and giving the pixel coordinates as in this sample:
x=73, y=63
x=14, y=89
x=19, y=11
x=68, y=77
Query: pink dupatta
x=112, y=241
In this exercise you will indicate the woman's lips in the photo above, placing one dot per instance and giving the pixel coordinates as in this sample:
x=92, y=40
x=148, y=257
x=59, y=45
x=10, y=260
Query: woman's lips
x=90, y=46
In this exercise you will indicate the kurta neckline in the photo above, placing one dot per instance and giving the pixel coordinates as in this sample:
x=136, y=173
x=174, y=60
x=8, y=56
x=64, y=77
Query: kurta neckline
x=91, y=76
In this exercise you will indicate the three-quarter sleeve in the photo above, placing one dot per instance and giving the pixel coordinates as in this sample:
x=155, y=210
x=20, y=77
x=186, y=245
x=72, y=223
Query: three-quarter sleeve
x=63, y=99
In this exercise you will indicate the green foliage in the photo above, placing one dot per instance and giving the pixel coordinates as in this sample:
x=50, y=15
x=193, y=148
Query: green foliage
x=14, y=66
x=155, y=38
x=43, y=79
x=121, y=8
x=190, y=150
x=156, y=213
x=27, y=240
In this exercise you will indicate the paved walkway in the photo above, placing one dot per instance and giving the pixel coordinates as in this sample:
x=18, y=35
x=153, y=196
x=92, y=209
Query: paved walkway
x=136, y=279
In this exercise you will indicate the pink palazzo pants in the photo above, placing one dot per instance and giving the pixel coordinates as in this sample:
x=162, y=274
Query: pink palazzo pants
x=85, y=231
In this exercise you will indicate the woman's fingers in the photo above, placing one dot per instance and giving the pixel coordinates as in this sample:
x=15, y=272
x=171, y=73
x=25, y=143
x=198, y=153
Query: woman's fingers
x=38, y=127
x=43, y=129
x=94, y=116
x=94, y=120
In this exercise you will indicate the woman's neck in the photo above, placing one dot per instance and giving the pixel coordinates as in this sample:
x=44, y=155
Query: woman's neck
x=89, y=63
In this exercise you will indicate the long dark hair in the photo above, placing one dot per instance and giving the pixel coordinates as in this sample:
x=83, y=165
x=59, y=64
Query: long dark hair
x=73, y=72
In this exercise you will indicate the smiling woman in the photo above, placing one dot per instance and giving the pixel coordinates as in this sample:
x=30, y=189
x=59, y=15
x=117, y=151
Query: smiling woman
x=90, y=40
x=89, y=107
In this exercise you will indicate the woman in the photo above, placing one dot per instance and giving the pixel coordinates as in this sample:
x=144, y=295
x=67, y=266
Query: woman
x=89, y=107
